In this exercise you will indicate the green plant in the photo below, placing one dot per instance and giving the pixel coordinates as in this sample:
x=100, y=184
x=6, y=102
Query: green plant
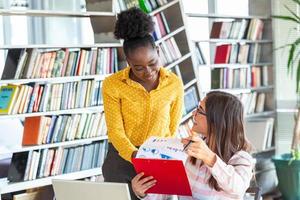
x=293, y=64
x=294, y=48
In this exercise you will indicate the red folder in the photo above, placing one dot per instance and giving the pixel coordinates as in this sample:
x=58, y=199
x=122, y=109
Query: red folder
x=170, y=175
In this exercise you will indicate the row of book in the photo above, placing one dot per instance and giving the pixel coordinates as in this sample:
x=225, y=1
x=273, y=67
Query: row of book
x=169, y=51
x=161, y=27
x=238, y=29
x=60, y=128
x=255, y=76
x=237, y=53
x=28, y=98
x=261, y=76
x=34, y=164
x=257, y=102
x=230, y=78
x=47, y=63
x=147, y=5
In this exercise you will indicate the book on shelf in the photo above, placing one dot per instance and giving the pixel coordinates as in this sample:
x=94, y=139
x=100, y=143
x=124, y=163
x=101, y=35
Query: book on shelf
x=237, y=29
x=170, y=51
x=45, y=130
x=222, y=53
x=191, y=99
x=229, y=78
x=161, y=27
x=41, y=193
x=49, y=63
x=199, y=55
x=260, y=133
x=35, y=97
x=261, y=76
x=257, y=102
x=34, y=164
x=8, y=97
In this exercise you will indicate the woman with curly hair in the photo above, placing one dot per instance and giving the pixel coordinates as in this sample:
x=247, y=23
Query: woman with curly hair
x=140, y=101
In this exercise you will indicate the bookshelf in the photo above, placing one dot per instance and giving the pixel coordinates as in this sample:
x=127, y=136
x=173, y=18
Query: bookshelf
x=234, y=53
x=175, y=38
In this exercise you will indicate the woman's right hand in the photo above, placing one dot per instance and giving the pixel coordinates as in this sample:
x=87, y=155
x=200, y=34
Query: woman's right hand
x=141, y=184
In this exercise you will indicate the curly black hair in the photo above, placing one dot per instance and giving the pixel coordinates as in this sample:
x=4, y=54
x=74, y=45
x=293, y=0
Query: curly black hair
x=135, y=27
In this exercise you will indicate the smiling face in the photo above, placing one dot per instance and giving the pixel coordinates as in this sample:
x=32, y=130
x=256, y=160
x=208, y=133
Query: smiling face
x=199, y=119
x=144, y=63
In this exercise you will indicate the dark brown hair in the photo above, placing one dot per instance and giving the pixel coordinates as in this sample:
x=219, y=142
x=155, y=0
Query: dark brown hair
x=225, y=127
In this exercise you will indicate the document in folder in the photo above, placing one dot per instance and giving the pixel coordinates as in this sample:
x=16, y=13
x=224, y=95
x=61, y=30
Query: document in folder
x=164, y=158
x=170, y=175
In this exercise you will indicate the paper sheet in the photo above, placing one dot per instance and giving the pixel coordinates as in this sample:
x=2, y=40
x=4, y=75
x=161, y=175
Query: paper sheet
x=162, y=148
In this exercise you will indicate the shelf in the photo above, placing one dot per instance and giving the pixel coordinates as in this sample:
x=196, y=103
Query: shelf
x=228, y=16
x=233, y=90
x=168, y=67
x=262, y=114
x=244, y=90
x=234, y=65
x=234, y=41
x=92, y=109
x=163, y=7
x=192, y=82
x=54, y=13
x=262, y=88
x=287, y=110
x=62, y=79
x=169, y=35
x=263, y=151
x=57, y=46
x=186, y=117
x=14, y=187
x=54, y=145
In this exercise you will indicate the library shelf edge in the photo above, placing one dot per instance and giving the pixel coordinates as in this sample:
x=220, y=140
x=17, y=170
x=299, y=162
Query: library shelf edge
x=14, y=187
x=58, y=144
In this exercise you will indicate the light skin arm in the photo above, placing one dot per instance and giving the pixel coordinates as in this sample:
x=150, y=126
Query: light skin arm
x=141, y=184
x=199, y=150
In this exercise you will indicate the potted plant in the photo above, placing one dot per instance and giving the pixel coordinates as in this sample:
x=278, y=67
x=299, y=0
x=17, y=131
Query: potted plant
x=288, y=165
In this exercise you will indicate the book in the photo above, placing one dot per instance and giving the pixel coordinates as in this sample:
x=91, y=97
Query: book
x=260, y=132
x=222, y=53
x=11, y=63
x=32, y=134
x=8, y=95
x=191, y=100
x=17, y=167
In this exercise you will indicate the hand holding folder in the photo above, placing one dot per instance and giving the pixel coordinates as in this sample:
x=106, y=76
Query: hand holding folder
x=164, y=158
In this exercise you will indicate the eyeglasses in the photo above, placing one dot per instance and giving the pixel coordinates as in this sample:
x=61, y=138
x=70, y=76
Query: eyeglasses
x=200, y=111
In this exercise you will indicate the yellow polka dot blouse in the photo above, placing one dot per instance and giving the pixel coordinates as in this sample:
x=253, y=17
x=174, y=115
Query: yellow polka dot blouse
x=133, y=114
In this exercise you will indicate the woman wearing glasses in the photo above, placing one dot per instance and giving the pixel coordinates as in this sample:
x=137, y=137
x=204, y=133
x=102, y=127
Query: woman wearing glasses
x=219, y=165
x=140, y=101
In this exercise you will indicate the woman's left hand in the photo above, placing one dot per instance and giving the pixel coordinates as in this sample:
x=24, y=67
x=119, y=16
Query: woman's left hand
x=199, y=149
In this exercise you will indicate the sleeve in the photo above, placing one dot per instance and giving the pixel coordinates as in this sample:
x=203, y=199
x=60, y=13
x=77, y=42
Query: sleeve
x=176, y=109
x=114, y=121
x=234, y=177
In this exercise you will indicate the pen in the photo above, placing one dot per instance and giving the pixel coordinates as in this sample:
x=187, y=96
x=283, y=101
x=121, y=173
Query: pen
x=184, y=148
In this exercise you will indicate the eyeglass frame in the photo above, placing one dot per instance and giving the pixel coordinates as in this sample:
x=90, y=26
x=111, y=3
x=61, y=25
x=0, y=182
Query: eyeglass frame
x=200, y=111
